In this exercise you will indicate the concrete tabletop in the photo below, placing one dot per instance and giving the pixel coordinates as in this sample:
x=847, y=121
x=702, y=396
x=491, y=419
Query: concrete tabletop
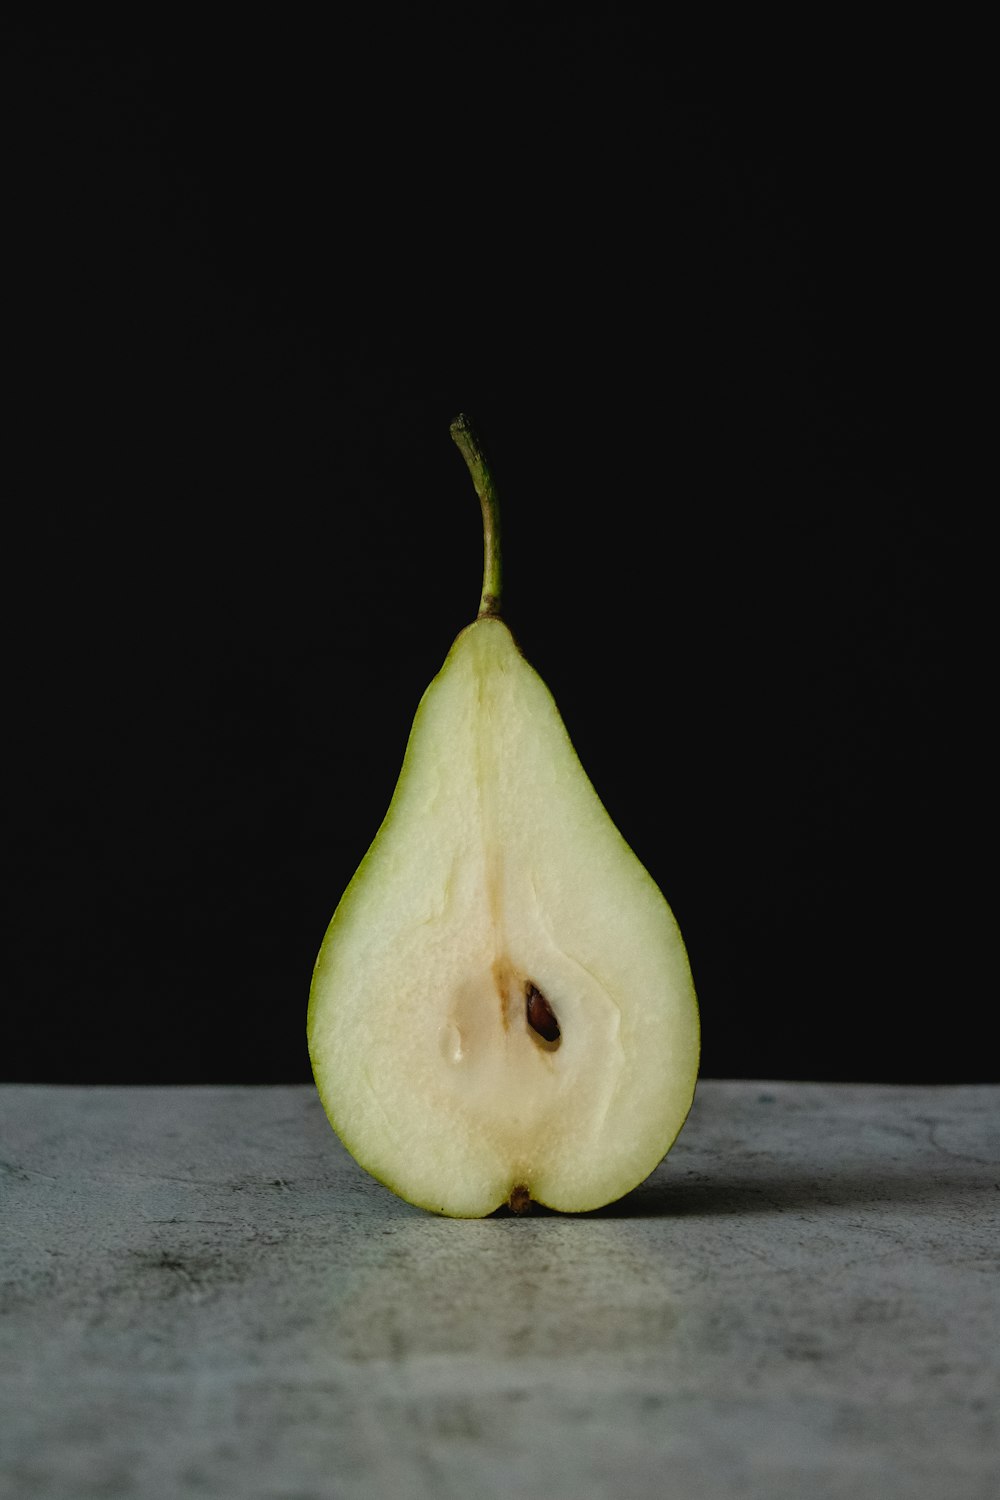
x=203, y=1295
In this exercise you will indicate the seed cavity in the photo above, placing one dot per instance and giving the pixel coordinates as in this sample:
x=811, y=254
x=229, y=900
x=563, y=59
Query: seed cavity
x=451, y=1042
x=541, y=1017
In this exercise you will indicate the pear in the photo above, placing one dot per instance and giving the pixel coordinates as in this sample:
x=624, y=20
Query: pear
x=502, y=1009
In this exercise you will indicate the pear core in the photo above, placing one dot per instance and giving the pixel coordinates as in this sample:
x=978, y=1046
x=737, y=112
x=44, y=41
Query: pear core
x=502, y=1004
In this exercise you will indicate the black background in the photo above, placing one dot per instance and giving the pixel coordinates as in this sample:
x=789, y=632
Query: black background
x=688, y=292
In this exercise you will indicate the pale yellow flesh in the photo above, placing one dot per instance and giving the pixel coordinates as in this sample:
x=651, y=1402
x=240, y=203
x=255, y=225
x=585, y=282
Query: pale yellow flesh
x=497, y=866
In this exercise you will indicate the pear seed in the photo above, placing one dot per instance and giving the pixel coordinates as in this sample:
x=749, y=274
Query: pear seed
x=541, y=1017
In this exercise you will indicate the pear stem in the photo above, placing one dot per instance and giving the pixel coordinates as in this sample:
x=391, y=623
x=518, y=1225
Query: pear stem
x=463, y=433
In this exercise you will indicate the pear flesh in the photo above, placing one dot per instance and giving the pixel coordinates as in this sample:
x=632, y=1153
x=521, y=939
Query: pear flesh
x=502, y=1009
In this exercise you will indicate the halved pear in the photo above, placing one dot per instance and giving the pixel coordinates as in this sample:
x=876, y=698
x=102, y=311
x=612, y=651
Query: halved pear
x=502, y=1010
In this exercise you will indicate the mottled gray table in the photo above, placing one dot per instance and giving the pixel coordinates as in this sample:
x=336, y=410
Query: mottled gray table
x=202, y=1295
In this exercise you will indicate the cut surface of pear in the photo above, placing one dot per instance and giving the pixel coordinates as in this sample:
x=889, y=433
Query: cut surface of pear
x=502, y=1009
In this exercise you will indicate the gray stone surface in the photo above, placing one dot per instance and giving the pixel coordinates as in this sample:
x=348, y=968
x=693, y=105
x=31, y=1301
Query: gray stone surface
x=202, y=1295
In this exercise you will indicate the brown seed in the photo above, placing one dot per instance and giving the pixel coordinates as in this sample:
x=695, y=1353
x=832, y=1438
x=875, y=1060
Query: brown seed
x=541, y=1017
